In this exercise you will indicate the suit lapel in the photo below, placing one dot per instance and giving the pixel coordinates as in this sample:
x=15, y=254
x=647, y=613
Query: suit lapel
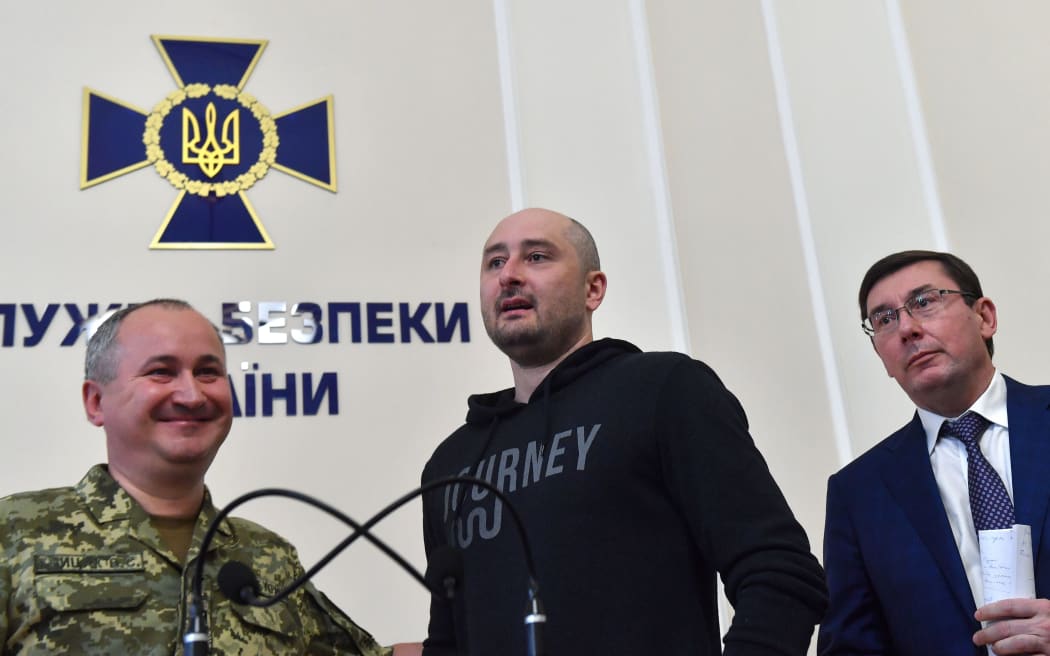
x=1029, y=453
x=909, y=477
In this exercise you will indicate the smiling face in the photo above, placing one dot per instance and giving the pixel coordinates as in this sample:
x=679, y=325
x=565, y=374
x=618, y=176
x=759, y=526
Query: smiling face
x=168, y=407
x=536, y=297
x=941, y=362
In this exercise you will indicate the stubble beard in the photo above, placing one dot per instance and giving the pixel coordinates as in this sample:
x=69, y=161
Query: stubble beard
x=534, y=344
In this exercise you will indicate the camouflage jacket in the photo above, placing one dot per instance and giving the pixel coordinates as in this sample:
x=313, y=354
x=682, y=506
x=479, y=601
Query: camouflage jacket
x=83, y=571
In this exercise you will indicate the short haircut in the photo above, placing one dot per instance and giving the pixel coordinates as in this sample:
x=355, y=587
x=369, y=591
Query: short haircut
x=101, y=359
x=954, y=267
x=580, y=238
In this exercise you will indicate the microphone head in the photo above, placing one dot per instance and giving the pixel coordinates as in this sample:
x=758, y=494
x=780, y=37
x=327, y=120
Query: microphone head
x=238, y=582
x=444, y=571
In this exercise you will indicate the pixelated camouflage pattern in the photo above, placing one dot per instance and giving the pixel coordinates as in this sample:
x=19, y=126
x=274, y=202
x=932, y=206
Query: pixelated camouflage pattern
x=83, y=571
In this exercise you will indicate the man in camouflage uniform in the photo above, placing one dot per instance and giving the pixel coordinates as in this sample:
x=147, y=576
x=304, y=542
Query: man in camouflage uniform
x=105, y=567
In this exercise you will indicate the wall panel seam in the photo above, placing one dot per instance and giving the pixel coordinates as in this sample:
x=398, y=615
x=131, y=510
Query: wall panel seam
x=793, y=158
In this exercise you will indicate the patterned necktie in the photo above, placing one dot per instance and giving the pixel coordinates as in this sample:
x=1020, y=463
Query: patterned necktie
x=989, y=501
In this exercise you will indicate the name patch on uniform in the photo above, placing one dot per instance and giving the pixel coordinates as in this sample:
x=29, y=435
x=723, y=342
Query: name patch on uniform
x=87, y=563
x=269, y=589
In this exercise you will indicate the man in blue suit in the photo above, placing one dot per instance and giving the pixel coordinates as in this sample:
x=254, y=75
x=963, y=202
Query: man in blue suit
x=900, y=545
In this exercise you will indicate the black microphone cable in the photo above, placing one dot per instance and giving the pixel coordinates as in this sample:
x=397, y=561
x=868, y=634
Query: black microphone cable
x=195, y=640
x=244, y=581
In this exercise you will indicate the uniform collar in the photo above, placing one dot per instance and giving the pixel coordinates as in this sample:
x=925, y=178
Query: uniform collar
x=108, y=502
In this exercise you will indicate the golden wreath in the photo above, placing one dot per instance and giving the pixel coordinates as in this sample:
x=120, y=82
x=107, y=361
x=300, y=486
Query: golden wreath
x=179, y=180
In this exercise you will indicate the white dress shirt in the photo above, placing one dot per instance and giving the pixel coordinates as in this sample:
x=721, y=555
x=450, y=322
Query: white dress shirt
x=948, y=459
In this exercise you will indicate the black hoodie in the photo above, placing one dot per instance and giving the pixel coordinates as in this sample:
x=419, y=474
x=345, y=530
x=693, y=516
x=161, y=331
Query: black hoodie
x=637, y=481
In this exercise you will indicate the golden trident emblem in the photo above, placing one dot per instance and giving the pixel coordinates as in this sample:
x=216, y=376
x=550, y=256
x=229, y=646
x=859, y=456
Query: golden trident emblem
x=211, y=156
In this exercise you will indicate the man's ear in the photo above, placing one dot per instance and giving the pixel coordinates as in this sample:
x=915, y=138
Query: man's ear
x=985, y=309
x=596, y=285
x=92, y=395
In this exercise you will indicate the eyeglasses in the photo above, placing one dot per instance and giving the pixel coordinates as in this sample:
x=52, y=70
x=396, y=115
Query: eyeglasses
x=921, y=306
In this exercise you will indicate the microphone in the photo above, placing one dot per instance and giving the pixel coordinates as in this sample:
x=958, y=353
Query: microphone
x=443, y=576
x=238, y=582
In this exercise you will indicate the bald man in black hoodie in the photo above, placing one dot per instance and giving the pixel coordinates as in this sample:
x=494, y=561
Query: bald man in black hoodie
x=634, y=473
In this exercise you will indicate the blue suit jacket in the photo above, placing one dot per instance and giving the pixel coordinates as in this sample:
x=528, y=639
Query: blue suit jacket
x=895, y=578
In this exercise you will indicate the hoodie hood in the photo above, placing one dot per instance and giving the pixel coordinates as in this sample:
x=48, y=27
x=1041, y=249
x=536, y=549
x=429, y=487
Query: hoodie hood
x=484, y=408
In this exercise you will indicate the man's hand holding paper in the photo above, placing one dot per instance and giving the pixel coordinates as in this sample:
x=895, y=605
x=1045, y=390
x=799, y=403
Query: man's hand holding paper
x=1014, y=621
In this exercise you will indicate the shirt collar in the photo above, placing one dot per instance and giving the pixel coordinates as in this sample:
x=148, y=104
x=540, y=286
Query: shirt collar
x=991, y=405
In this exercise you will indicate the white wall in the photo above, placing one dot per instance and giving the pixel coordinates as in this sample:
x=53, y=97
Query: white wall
x=740, y=163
